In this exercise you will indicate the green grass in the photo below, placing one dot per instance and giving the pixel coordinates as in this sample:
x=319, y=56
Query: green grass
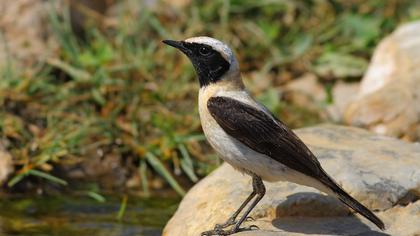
x=122, y=91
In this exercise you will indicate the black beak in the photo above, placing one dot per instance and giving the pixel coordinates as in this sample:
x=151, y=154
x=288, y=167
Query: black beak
x=177, y=44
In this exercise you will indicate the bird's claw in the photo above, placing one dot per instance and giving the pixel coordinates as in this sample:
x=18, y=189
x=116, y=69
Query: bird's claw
x=249, y=218
x=229, y=222
x=220, y=231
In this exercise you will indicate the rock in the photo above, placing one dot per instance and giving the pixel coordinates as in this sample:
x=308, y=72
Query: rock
x=309, y=93
x=304, y=89
x=25, y=37
x=381, y=172
x=343, y=94
x=306, y=93
x=387, y=102
x=6, y=164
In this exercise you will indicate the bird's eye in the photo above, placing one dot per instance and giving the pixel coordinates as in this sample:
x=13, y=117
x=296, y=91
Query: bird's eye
x=204, y=51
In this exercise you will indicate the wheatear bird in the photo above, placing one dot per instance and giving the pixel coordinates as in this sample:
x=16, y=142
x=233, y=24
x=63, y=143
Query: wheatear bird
x=248, y=136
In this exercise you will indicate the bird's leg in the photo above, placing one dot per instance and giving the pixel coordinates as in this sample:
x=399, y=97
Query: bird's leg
x=259, y=190
x=232, y=219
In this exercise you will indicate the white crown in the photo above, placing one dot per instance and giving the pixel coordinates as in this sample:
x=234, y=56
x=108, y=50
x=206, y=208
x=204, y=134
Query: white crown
x=217, y=45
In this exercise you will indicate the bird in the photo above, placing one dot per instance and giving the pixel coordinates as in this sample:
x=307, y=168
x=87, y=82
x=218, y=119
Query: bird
x=245, y=134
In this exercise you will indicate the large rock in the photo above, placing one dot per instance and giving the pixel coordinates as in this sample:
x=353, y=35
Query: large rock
x=382, y=172
x=389, y=96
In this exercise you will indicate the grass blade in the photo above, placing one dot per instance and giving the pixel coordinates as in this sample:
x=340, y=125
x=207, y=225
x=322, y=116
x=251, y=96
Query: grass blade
x=123, y=207
x=16, y=179
x=77, y=74
x=47, y=176
x=63, y=32
x=98, y=197
x=186, y=163
x=158, y=167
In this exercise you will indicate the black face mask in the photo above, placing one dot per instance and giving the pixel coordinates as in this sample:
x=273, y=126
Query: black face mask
x=208, y=63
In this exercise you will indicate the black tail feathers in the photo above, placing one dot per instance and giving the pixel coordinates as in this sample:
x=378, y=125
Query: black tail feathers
x=353, y=203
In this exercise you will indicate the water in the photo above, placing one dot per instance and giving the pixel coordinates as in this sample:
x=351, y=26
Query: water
x=69, y=215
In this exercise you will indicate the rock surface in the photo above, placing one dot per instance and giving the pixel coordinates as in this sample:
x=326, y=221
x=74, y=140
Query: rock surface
x=381, y=172
x=343, y=94
x=389, y=96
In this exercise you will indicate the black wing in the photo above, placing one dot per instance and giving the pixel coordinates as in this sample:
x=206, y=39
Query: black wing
x=265, y=134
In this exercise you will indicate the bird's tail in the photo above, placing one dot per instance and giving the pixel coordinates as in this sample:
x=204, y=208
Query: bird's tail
x=351, y=202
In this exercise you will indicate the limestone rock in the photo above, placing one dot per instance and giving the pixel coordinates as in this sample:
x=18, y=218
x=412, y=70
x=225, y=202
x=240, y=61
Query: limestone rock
x=381, y=172
x=389, y=95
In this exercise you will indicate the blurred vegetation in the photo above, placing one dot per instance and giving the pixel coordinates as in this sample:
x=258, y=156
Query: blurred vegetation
x=118, y=90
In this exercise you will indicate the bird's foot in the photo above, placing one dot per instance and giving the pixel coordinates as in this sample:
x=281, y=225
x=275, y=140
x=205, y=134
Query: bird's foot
x=220, y=231
x=217, y=231
x=229, y=222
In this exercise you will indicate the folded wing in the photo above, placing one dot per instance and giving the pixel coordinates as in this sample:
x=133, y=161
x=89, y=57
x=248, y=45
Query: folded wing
x=263, y=133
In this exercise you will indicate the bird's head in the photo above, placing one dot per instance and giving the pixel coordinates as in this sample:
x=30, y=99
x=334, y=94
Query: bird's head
x=212, y=59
